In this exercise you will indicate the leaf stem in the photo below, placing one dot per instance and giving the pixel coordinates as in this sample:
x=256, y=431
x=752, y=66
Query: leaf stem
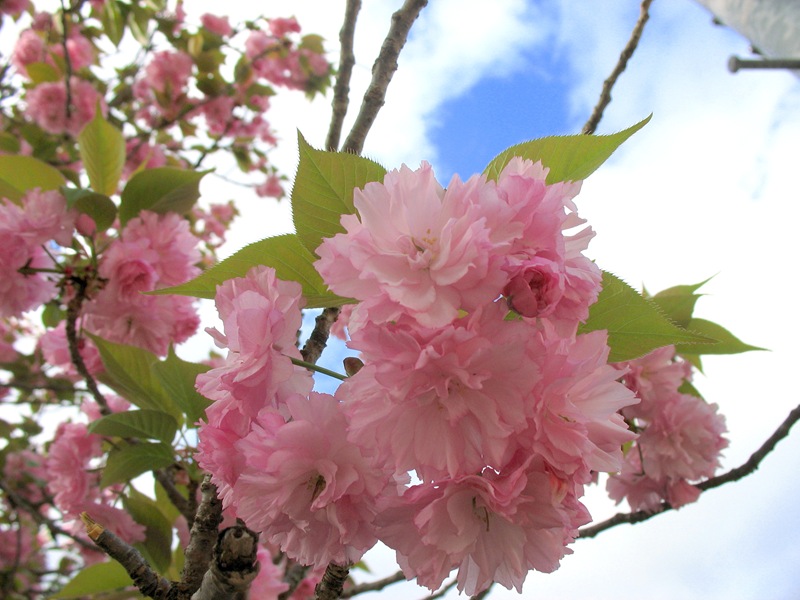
x=317, y=368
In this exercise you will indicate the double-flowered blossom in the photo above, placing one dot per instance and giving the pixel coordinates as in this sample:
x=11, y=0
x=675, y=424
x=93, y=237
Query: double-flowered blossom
x=152, y=252
x=681, y=436
x=25, y=228
x=473, y=377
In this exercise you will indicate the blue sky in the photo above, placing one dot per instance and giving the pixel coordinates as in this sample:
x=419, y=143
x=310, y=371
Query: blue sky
x=707, y=188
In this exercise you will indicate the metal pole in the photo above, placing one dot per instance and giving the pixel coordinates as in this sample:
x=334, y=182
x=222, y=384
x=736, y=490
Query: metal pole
x=735, y=63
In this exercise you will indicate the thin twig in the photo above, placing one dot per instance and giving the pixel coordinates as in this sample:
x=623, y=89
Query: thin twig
x=347, y=59
x=736, y=474
x=624, y=57
x=374, y=586
x=73, y=311
x=382, y=72
x=67, y=61
x=35, y=512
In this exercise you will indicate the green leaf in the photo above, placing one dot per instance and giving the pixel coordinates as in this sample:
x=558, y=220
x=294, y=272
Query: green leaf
x=99, y=207
x=290, y=259
x=323, y=190
x=9, y=143
x=113, y=22
x=177, y=377
x=678, y=302
x=128, y=461
x=40, y=72
x=725, y=342
x=24, y=173
x=102, y=150
x=635, y=325
x=161, y=190
x=129, y=372
x=569, y=157
x=145, y=424
x=157, y=546
x=94, y=579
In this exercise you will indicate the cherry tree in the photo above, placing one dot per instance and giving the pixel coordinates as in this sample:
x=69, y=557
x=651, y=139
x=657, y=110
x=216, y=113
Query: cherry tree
x=495, y=370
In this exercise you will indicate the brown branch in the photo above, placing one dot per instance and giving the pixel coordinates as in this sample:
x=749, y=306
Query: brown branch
x=347, y=59
x=202, y=539
x=318, y=339
x=144, y=577
x=293, y=576
x=749, y=467
x=373, y=586
x=624, y=57
x=234, y=567
x=382, y=72
x=20, y=503
x=73, y=311
x=67, y=61
x=167, y=481
x=332, y=582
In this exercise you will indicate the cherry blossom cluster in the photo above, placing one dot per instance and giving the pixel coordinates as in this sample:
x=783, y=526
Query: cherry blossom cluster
x=178, y=103
x=475, y=382
x=680, y=435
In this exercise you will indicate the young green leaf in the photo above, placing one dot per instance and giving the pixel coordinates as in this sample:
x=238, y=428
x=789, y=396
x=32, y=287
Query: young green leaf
x=724, y=341
x=128, y=461
x=635, y=325
x=102, y=150
x=678, y=302
x=284, y=253
x=129, y=372
x=145, y=424
x=569, y=157
x=99, y=207
x=177, y=377
x=323, y=190
x=95, y=579
x=161, y=190
x=24, y=173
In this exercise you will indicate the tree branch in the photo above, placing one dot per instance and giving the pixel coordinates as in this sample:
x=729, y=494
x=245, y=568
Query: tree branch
x=373, y=586
x=234, y=567
x=318, y=339
x=750, y=466
x=203, y=537
x=332, y=582
x=624, y=57
x=347, y=59
x=382, y=72
x=73, y=311
x=144, y=577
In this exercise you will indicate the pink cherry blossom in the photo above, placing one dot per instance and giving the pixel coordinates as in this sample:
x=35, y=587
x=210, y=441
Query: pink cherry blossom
x=307, y=487
x=492, y=526
x=47, y=106
x=71, y=484
x=415, y=249
x=40, y=217
x=219, y=25
x=575, y=423
x=153, y=251
x=261, y=317
x=29, y=48
x=445, y=401
x=55, y=350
